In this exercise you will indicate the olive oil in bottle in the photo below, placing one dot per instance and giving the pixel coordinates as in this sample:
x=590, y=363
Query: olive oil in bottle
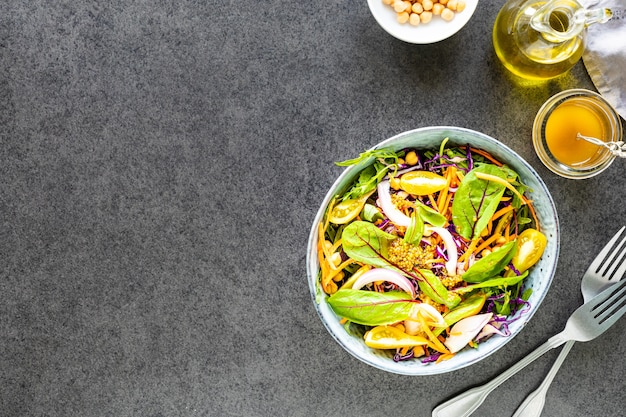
x=538, y=39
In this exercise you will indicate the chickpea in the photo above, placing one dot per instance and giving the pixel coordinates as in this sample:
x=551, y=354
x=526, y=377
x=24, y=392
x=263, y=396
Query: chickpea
x=340, y=275
x=422, y=11
x=414, y=19
x=447, y=14
x=335, y=258
x=399, y=6
x=403, y=17
x=411, y=157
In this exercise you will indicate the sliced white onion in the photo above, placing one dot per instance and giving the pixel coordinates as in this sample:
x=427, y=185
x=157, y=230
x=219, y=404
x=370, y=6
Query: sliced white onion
x=448, y=241
x=431, y=316
x=488, y=330
x=381, y=274
x=390, y=209
x=465, y=330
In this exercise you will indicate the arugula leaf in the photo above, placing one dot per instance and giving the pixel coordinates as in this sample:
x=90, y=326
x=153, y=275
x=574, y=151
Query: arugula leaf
x=370, y=176
x=526, y=294
x=371, y=308
x=476, y=200
x=383, y=153
x=367, y=182
x=491, y=265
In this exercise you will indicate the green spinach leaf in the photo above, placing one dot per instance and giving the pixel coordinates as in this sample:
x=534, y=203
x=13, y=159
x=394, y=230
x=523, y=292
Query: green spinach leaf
x=430, y=215
x=491, y=265
x=415, y=231
x=432, y=286
x=476, y=200
x=371, y=308
x=364, y=242
x=495, y=282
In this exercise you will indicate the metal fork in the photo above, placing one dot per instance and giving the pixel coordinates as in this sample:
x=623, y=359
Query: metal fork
x=586, y=323
x=605, y=269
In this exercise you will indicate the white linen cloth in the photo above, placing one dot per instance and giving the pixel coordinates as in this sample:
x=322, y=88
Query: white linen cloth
x=605, y=53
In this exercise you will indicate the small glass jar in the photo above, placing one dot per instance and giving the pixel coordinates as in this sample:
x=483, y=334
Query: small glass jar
x=555, y=133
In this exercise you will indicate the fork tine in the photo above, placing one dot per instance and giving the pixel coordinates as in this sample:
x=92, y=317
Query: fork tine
x=603, y=257
x=617, y=259
x=611, y=320
x=612, y=299
x=619, y=274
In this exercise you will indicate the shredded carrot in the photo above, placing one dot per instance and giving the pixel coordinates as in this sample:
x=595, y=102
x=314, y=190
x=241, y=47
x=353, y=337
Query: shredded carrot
x=501, y=212
x=336, y=246
x=433, y=202
x=486, y=243
x=469, y=251
x=532, y=212
x=343, y=320
x=486, y=155
x=446, y=206
x=444, y=197
x=441, y=199
x=490, y=227
x=444, y=357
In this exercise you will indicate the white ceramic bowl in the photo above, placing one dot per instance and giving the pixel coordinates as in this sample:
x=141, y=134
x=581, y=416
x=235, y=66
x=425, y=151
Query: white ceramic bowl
x=434, y=31
x=539, y=278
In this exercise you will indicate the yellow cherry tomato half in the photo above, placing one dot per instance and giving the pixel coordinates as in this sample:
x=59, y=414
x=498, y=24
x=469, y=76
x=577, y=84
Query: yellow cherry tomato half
x=422, y=182
x=345, y=211
x=530, y=246
x=390, y=337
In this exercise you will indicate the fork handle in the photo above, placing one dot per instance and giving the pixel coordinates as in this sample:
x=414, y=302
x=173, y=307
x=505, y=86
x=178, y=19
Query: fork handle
x=533, y=404
x=466, y=403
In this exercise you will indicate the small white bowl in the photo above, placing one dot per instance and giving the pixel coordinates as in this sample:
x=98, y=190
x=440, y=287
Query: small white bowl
x=539, y=278
x=434, y=31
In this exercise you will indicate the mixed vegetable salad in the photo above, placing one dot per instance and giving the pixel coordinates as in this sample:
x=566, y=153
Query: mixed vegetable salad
x=427, y=251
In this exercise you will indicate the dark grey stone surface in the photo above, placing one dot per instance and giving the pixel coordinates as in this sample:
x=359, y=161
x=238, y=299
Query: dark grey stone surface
x=160, y=167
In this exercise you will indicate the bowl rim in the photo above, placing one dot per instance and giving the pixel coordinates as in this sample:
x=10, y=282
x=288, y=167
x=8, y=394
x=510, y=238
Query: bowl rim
x=419, y=369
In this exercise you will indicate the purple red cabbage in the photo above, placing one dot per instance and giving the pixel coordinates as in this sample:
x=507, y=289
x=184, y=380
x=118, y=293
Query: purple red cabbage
x=431, y=358
x=398, y=357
